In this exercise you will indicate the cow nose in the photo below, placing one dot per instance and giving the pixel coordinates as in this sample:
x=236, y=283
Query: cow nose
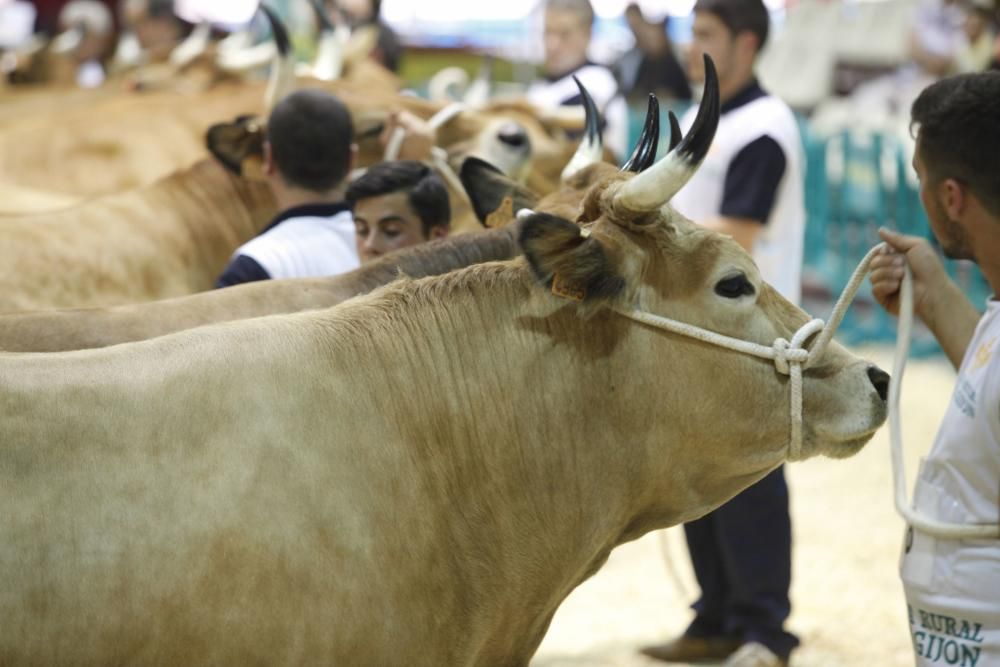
x=880, y=380
x=513, y=135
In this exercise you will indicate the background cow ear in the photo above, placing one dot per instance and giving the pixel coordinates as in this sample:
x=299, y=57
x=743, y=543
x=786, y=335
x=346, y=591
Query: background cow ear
x=237, y=145
x=495, y=197
x=573, y=265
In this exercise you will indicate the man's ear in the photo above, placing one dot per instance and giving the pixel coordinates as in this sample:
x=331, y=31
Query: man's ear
x=952, y=198
x=566, y=259
x=437, y=232
x=268, y=167
x=495, y=197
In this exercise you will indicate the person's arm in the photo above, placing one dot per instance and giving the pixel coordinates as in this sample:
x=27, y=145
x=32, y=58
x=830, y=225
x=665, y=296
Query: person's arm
x=743, y=230
x=242, y=269
x=937, y=300
x=749, y=192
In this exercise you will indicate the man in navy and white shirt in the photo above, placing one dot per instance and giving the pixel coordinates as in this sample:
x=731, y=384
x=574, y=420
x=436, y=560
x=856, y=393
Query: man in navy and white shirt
x=307, y=157
x=568, y=25
x=750, y=186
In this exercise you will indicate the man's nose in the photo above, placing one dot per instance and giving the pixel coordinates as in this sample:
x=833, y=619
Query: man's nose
x=372, y=245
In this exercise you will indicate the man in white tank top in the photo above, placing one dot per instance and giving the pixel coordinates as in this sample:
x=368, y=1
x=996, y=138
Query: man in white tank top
x=953, y=586
x=750, y=186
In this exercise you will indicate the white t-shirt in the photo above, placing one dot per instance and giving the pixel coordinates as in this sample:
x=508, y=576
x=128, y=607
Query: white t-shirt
x=779, y=246
x=953, y=586
x=306, y=246
x=601, y=84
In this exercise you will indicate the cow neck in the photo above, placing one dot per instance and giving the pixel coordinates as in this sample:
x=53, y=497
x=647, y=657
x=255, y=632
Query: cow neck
x=481, y=446
x=215, y=212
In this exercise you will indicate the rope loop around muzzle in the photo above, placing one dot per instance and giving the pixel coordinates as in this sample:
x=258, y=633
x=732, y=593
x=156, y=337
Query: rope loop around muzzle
x=790, y=357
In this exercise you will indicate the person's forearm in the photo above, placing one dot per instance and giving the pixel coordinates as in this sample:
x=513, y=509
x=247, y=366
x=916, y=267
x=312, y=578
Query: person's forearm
x=952, y=319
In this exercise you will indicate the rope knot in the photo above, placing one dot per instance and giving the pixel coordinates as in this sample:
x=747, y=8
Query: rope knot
x=780, y=348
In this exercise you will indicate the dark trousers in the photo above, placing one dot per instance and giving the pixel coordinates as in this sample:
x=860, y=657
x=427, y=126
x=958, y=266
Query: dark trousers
x=742, y=557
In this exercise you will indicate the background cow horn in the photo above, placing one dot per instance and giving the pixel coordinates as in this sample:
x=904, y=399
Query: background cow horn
x=653, y=188
x=278, y=31
x=329, y=62
x=282, y=79
x=478, y=93
x=591, y=147
x=649, y=140
x=675, y=130
x=193, y=46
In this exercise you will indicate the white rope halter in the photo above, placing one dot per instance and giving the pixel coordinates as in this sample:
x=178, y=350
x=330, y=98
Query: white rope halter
x=439, y=156
x=791, y=357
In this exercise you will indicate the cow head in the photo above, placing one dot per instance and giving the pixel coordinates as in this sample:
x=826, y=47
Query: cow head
x=626, y=247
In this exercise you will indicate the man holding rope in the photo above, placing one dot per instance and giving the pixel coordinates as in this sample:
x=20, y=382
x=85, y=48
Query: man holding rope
x=953, y=585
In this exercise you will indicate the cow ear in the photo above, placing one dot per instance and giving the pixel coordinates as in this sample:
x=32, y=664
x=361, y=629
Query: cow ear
x=565, y=258
x=238, y=145
x=495, y=197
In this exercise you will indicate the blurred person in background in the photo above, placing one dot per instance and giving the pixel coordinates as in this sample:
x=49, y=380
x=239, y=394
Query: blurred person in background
x=976, y=52
x=936, y=35
x=567, y=32
x=388, y=49
x=155, y=25
x=87, y=35
x=308, y=153
x=651, y=65
x=750, y=187
x=397, y=204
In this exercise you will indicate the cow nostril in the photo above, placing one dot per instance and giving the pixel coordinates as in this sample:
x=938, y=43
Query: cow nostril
x=513, y=135
x=880, y=380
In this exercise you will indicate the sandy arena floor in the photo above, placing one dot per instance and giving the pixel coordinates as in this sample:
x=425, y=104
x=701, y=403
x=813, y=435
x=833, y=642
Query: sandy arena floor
x=847, y=602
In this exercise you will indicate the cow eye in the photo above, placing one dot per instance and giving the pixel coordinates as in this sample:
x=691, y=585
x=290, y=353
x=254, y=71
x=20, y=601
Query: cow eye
x=734, y=287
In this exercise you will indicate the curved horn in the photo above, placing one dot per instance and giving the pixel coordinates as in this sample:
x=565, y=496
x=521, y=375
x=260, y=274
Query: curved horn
x=675, y=130
x=67, y=40
x=193, y=46
x=591, y=147
x=278, y=31
x=644, y=154
x=653, y=188
x=478, y=93
x=282, y=78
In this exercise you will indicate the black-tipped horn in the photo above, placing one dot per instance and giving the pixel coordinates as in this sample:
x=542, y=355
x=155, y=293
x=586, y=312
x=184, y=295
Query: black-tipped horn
x=322, y=16
x=591, y=147
x=649, y=140
x=696, y=143
x=675, y=130
x=654, y=187
x=278, y=30
x=592, y=131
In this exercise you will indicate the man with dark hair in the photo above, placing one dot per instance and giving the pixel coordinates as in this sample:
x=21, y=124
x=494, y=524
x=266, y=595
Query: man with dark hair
x=567, y=33
x=398, y=204
x=952, y=585
x=308, y=153
x=749, y=187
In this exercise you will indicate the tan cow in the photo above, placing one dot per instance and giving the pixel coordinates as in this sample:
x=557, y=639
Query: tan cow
x=416, y=476
x=495, y=196
x=171, y=238
x=81, y=328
